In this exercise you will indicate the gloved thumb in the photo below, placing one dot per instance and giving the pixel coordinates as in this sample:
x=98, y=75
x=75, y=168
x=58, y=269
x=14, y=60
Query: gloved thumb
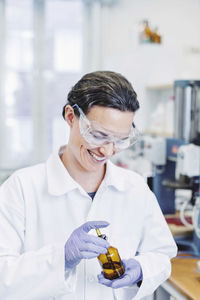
x=94, y=225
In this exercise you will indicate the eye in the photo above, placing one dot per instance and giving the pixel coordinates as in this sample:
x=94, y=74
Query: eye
x=99, y=135
x=124, y=139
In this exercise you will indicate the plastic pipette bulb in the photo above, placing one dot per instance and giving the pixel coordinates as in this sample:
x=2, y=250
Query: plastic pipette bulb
x=110, y=262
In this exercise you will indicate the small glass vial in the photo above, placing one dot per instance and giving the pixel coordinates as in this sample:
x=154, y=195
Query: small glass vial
x=110, y=262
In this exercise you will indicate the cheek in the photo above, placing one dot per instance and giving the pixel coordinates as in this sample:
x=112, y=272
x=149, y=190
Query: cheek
x=79, y=144
x=75, y=137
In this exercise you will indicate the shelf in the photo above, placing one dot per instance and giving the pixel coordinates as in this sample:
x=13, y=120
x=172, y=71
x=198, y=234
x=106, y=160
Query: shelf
x=160, y=87
x=158, y=133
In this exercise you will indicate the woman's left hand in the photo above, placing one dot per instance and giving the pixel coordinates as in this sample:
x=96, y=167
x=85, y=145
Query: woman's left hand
x=132, y=275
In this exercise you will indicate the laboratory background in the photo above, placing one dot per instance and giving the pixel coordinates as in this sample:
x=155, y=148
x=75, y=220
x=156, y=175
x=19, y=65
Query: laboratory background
x=47, y=45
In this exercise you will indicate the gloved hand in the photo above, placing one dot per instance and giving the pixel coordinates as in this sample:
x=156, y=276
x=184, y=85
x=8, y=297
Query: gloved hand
x=83, y=245
x=132, y=274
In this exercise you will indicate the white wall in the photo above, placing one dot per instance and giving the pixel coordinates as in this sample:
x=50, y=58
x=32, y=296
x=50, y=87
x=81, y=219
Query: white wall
x=176, y=58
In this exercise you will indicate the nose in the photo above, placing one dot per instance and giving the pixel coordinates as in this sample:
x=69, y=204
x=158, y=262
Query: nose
x=107, y=149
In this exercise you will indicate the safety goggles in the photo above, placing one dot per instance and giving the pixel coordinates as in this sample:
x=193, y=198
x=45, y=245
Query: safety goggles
x=96, y=136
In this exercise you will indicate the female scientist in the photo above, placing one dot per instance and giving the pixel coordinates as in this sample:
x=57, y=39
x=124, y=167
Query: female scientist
x=49, y=212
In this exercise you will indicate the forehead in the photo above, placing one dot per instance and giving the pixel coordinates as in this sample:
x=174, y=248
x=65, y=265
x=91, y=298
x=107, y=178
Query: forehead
x=111, y=119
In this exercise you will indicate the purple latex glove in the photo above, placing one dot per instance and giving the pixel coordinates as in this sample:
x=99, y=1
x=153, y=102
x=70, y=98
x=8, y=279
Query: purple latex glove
x=83, y=245
x=132, y=274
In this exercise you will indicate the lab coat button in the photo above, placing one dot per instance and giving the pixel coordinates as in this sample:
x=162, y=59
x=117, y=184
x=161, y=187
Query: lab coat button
x=90, y=278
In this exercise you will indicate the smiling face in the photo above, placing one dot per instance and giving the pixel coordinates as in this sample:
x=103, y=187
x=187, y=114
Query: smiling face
x=89, y=157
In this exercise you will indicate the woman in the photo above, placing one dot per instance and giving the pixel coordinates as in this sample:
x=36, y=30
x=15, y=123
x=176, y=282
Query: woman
x=48, y=245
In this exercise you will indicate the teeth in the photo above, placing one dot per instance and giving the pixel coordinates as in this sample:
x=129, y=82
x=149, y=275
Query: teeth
x=97, y=157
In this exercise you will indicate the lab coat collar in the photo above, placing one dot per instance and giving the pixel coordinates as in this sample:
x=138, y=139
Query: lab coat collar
x=58, y=179
x=116, y=177
x=60, y=182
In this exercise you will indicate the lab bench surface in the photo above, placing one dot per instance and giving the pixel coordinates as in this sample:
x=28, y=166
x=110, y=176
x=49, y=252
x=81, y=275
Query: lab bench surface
x=185, y=277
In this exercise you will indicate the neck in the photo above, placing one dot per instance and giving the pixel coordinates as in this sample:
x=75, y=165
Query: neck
x=79, y=174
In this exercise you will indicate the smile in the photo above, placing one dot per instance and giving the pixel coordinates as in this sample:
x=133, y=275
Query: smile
x=100, y=159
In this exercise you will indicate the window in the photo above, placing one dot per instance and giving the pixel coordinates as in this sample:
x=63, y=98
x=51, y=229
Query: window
x=40, y=60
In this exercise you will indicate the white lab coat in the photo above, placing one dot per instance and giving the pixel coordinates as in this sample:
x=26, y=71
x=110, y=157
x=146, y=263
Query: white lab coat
x=39, y=208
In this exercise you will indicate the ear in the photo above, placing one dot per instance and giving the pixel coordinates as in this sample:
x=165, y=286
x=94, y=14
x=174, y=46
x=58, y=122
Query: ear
x=69, y=115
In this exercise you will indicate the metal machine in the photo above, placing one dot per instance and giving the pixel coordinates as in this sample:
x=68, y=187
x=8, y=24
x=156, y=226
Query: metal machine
x=176, y=166
x=188, y=177
x=162, y=153
x=187, y=111
x=182, y=167
x=186, y=130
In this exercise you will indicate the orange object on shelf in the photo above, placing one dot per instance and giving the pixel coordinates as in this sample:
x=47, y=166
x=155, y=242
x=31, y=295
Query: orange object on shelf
x=177, y=221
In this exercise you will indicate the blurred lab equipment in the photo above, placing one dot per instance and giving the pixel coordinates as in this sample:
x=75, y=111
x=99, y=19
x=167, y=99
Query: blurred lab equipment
x=154, y=157
x=155, y=37
x=187, y=110
x=147, y=35
x=188, y=177
x=162, y=153
x=176, y=166
x=177, y=162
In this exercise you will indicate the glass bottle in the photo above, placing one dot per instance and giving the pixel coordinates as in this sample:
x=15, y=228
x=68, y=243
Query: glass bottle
x=145, y=35
x=156, y=38
x=110, y=262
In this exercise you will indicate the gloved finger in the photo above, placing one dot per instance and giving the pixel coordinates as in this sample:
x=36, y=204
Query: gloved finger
x=125, y=263
x=88, y=238
x=130, y=263
x=94, y=224
x=89, y=254
x=103, y=280
x=121, y=282
x=93, y=248
x=133, y=269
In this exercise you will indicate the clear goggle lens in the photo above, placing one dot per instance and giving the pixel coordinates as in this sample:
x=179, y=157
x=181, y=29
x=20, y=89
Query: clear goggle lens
x=95, y=136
